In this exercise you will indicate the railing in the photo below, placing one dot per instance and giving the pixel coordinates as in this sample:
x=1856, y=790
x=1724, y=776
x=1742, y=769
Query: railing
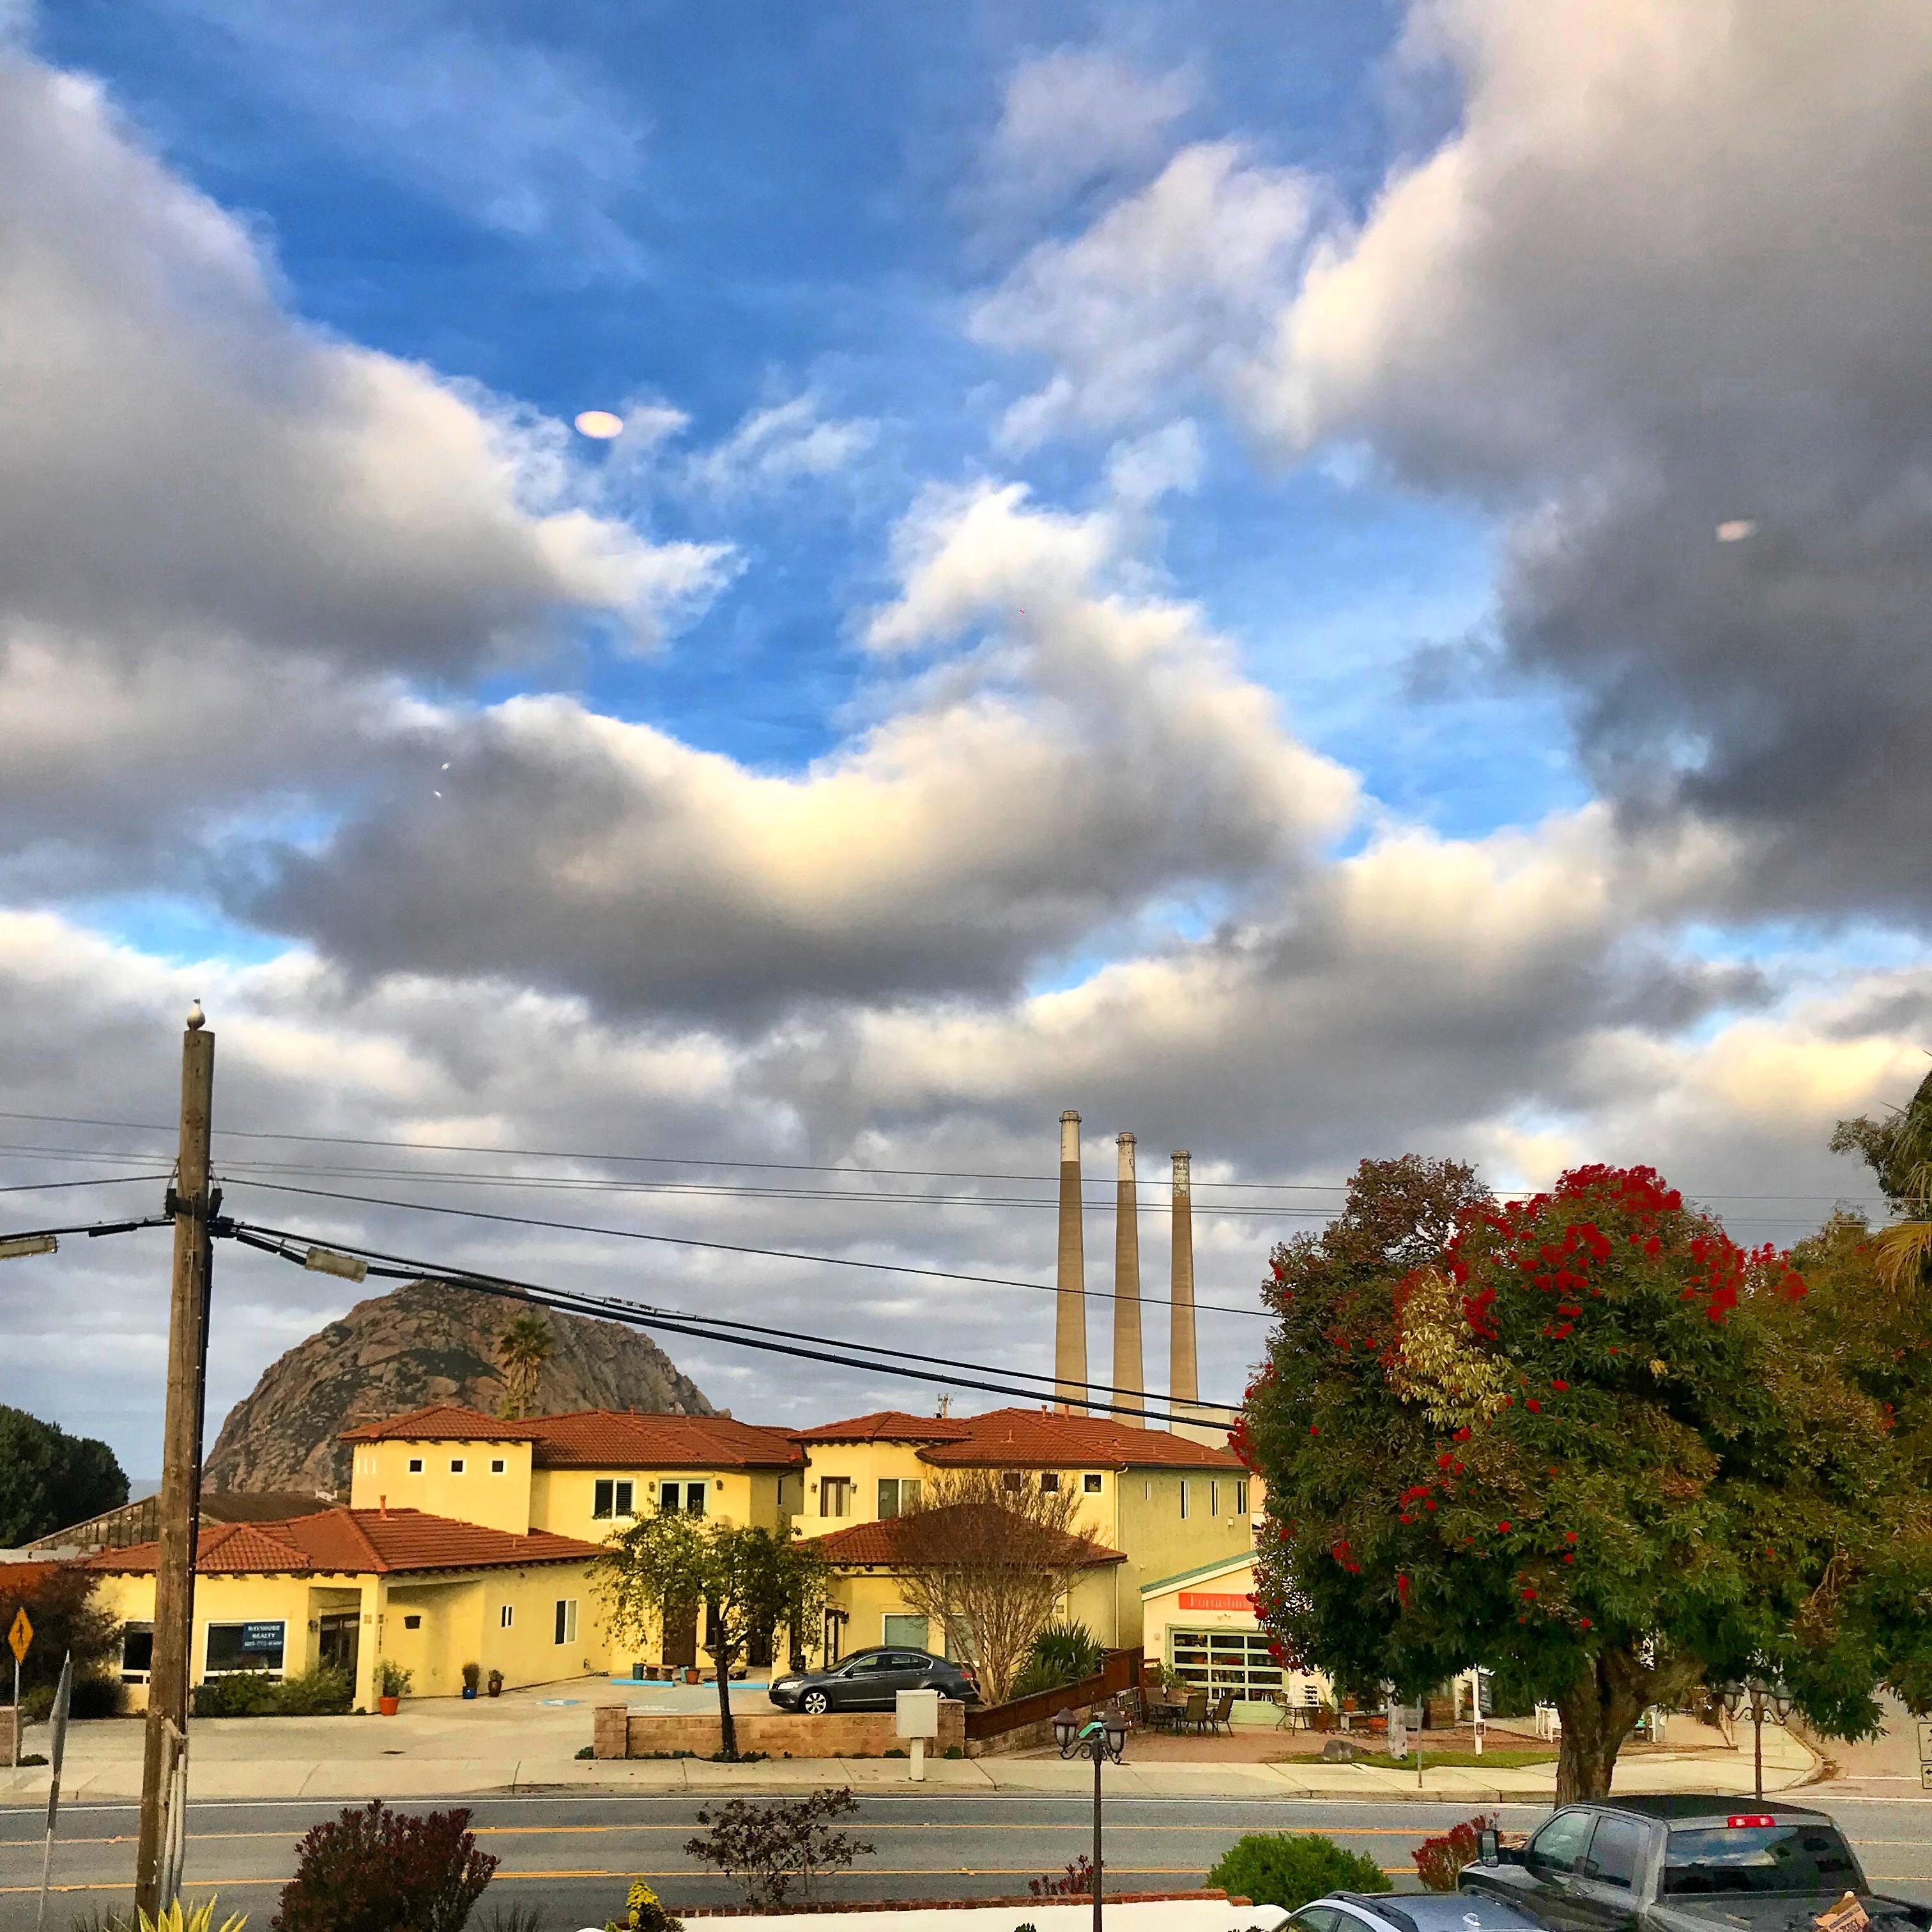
x=1121, y=1672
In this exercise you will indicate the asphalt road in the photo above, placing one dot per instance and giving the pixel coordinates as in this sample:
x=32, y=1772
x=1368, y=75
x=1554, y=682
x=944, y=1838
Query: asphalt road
x=570, y=1857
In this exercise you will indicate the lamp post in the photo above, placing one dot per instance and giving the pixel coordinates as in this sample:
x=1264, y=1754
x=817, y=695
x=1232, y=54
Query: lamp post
x=1761, y=1694
x=1100, y=1738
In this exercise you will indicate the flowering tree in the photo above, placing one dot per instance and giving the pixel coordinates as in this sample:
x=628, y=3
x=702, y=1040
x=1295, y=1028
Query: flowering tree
x=1590, y=1436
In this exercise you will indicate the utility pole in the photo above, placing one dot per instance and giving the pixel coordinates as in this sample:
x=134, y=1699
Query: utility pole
x=180, y=1504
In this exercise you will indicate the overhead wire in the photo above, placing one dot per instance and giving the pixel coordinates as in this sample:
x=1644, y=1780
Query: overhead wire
x=700, y=1327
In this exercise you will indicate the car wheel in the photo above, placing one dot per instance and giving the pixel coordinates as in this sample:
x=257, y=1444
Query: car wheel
x=814, y=1703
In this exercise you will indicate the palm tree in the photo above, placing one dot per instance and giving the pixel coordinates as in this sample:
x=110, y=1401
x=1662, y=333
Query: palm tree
x=1899, y=1152
x=522, y=1349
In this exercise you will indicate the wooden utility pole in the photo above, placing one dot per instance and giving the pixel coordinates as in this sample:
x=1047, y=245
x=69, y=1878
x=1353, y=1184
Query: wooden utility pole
x=180, y=1506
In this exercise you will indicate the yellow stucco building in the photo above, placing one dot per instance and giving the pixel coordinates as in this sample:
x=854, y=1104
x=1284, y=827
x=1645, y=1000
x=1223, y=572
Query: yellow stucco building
x=350, y=1587
x=1154, y=1503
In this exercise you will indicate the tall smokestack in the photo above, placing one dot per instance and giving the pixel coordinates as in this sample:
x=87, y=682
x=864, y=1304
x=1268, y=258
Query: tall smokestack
x=1069, y=1320
x=1129, y=1378
x=1183, y=1386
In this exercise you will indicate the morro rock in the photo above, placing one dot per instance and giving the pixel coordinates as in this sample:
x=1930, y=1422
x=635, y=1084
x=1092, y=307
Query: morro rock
x=425, y=1341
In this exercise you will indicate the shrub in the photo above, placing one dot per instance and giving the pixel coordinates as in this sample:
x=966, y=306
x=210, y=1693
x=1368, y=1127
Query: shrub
x=199, y=1919
x=770, y=1847
x=1288, y=1869
x=319, y=1693
x=1076, y=1882
x=513, y=1919
x=237, y=1693
x=92, y=1696
x=391, y=1679
x=642, y=1912
x=378, y=1870
x=1438, y=1860
x=1061, y=1654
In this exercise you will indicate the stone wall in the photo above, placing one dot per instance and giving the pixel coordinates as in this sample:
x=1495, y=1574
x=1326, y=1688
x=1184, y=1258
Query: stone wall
x=12, y=1731
x=616, y=1732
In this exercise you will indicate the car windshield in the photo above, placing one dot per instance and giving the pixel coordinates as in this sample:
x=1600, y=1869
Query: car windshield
x=1806, y=1857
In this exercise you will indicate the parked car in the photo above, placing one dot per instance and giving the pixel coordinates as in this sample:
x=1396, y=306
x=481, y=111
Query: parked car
x=871, y=1680
x=1413, y=1912
x=1683, y=1863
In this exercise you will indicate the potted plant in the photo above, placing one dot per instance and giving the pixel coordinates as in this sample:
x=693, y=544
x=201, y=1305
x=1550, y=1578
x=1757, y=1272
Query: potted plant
x=472, y=1675
x=392, y=1684
x=495, y=1683
x=692, y=1675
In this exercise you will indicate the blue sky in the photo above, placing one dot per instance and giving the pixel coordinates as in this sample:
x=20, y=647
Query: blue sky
x=1310, y=580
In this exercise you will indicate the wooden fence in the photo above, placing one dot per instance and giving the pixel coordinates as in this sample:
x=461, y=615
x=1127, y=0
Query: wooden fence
x=1121, y=1672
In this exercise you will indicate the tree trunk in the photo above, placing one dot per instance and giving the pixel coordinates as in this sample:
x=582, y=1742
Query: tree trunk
x=724, y=1656
x=1599, y=1711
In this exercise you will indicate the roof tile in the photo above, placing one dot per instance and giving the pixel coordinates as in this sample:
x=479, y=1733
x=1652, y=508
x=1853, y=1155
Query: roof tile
x=883, y=1542
x=1034, y=1439
x=888, y=1425
x=606, y=1438
x=442, y=1422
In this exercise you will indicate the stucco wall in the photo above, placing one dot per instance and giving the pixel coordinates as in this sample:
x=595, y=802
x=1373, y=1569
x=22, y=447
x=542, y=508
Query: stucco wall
x=478, y=1494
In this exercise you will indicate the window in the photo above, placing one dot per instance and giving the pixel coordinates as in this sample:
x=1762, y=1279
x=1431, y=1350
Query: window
x=1318, y=1919
x=674, y=1498
x=456, y=1465
x=245, y=1647
x=566, y=1620
x=835, y=1496
x=497, y=1465
x=1614, y=1848
x=1012, y=1481
x=904, y=1633
x=693, y=1498
x=1213, y=1498
x=897, y=1496
x=1557, y=1847
x=137, y=1652
x=416, y=1465
x=1183, y=1498
x=1089, y=1483
x=613, y=1496
x=506, y=1616
x=1755, y=1858
x=1240, y=1495
x=1049, y=1482
x=1224, y=1659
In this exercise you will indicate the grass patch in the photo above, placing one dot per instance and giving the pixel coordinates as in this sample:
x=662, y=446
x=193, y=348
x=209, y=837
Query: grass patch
x=1463, y=1760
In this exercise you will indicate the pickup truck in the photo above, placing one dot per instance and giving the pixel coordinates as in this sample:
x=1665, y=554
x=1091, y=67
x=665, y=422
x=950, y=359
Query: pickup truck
x=1684, y=1864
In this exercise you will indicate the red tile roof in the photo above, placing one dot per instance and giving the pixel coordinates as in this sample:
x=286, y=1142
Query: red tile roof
x=888, y=1425
x=600, y=1439
x=882, y=1543
x=354, y=1542
x=442, y=1422
x=1032, y=1438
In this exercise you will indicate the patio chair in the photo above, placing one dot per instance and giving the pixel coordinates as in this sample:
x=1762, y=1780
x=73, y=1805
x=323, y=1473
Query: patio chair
x=1287, y=1712
x=1194, y=1712
x=1220, y=1715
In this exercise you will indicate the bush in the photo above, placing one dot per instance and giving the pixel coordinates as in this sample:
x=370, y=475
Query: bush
x=1287, y=1869
x=1077, y=1881
x=92, y=1696
x=378, y=1871
x=1061, y=1654
x=391, y=1679
x=643, y=1912
x=770, y=1847
x=319, y=1693
x=1438, y=1860
x=238, y=1693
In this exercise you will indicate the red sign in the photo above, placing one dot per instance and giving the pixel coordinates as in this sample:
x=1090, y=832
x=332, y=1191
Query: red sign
x=1214, y=1599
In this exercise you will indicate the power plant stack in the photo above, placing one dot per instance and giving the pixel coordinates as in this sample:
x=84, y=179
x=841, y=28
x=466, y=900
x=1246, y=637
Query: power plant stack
x=1184, y=1384
x=1129, y=1377
x=1069, y=1326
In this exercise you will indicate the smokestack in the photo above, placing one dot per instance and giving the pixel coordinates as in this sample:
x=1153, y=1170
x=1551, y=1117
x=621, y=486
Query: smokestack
x=1183, y=1385
x=1129, y=1378
x=1069, y=1320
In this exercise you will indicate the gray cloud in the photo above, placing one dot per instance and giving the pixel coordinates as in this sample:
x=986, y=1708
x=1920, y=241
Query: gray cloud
x=1669, y=274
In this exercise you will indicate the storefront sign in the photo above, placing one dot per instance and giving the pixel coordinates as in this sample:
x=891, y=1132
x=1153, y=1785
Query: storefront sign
x=1215, y=1600
x=258, y=1638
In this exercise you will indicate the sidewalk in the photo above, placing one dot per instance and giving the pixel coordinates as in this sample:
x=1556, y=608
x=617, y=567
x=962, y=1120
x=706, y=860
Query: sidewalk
x=527, y=1741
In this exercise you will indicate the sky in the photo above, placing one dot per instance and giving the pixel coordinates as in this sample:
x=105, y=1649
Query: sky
x=1311, y=580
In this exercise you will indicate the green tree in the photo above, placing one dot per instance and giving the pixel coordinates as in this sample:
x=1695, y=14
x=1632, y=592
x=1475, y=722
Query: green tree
x=522, y=1349
x=1589, y=1438
x=750, y=1581
x=50, y=1479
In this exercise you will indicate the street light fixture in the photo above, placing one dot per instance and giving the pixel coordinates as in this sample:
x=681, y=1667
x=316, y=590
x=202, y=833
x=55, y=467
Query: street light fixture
x=1760, y=1696
x=23, y=1245
x=1102, y=1737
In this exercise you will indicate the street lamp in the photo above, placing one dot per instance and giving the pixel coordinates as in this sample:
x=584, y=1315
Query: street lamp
x=1100, y=1738
x=1759, y=1695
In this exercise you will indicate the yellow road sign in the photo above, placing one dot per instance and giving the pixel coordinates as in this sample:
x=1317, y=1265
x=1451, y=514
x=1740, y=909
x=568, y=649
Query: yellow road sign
x=19, y=1636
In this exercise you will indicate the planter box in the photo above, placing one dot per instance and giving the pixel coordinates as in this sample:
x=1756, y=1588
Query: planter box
x=616, y=1732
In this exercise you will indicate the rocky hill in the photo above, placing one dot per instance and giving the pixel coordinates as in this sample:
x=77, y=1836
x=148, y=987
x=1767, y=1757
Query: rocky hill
x=425, y=1341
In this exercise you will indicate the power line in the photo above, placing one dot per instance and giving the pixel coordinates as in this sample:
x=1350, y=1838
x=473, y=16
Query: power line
x=701, y=1328
x=92, y=1229
x=92, y=1180
x=776, y=1166
x=725, y=1247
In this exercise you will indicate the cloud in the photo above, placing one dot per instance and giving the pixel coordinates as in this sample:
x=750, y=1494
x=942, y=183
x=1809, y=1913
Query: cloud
x=1163, y=295
x=1085, y=756
x=209, y=511
x=1077, y=116
x=1666, y=278
x=774, y=448
x=527, y=141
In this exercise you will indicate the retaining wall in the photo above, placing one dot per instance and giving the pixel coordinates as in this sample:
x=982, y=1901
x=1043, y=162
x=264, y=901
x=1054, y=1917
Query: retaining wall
x=617, y=1732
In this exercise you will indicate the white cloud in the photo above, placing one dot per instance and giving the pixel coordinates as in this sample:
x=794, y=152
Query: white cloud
x=1142, y=469
x=1165, y=295
x=783, y=444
